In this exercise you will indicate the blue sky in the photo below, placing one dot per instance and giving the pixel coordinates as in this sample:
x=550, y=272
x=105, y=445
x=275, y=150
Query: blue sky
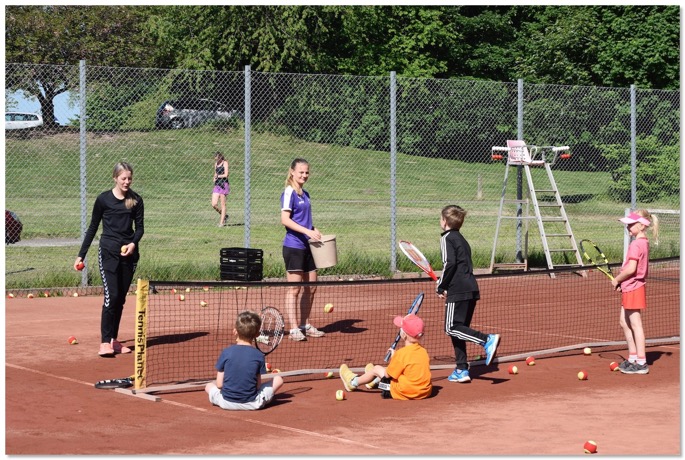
x=18, y=102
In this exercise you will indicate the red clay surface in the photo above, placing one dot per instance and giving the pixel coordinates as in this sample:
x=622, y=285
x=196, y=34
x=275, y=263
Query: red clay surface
x=52, y=407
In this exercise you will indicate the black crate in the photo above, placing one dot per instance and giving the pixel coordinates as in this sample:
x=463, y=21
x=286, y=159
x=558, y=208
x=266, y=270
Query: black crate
x=247, y=253
x=252, y=275
x=241, y=264
x=240, y=261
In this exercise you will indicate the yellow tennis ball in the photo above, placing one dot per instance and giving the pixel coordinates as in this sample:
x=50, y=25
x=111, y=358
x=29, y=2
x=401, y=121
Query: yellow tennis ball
x=513, y=369
x=10, y=295
x=587, y=351
x=181, y=297
x=328, y=308
x=339, y=395
x=329, y=375
x=187, y=289
x=75, y=294
x=29, y=296
x=124, y=248
x=203, y=303
x=582, y=375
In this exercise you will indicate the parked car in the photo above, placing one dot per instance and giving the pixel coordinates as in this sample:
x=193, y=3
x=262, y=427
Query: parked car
x=13, y=227
x=188, y=113
x=22, y=120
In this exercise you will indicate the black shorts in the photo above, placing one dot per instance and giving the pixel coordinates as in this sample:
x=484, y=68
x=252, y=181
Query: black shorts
x=298, y=260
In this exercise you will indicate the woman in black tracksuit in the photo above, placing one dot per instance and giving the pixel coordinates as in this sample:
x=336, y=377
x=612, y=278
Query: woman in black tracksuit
x=120, y=210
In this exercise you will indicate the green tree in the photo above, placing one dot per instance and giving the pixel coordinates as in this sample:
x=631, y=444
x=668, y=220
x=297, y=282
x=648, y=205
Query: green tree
x=60, y=36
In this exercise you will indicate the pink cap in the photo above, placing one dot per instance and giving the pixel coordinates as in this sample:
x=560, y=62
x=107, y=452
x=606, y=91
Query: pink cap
x=411, y=324
x=635, y=217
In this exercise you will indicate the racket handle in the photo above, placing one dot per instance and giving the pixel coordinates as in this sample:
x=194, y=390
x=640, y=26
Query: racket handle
x=388, y=355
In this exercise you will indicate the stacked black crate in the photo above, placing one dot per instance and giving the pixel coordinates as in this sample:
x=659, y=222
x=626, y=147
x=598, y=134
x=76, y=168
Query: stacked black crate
x=241, y=264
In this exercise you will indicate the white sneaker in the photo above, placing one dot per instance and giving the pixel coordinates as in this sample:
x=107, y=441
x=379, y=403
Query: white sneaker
x=313, y=332
x=297, y=335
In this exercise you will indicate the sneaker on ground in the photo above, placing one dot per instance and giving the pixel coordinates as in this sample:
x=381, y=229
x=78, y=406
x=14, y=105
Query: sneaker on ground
x=106, y=350
x=297, y=335
x=311, y=331
x=119, y=348
x=491, y=348
x=346, y=375
x=460, y=375
x=374, y=383
x=624, y=364
x=635, y=368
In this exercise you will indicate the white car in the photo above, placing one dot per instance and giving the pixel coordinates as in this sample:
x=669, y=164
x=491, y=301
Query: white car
x=22, y=120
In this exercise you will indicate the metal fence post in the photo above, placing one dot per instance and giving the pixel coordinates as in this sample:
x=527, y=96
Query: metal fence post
x=633, y=149
x=393, y=171
x=247, y=173
x=519, y=174
x=82, y=158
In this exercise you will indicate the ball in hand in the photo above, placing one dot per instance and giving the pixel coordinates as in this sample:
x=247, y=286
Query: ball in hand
x=328, y=308
x=587, y=351
x=513, y=369
x=72, y=340
x=124, y=248
x=582, y=375
x=613, y=366
x=590, y=447
x=80, y=266
x=339, y=395
x=530, y=361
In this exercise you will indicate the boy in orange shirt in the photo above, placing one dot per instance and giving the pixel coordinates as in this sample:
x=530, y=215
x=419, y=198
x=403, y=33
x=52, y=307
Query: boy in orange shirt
x=409, y=368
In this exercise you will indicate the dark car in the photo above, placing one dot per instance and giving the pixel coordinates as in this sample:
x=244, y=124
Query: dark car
x=13, y=227
x=188, y=113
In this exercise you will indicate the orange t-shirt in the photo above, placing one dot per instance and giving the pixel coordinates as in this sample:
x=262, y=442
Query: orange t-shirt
x=410, y=373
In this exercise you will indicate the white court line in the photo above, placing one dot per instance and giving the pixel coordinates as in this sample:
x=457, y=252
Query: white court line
x=188, y=406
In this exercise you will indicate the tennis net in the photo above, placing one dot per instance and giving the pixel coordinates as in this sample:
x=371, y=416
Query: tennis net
x=178, y=339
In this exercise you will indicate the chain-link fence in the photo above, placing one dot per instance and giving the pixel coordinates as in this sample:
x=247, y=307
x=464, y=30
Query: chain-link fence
x=386, y=154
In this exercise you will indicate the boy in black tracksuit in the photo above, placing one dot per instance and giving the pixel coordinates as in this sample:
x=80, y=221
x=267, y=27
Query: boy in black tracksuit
x=459, y=283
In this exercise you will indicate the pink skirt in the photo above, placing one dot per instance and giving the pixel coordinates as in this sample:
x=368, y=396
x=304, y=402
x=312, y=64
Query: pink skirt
x=222, y=189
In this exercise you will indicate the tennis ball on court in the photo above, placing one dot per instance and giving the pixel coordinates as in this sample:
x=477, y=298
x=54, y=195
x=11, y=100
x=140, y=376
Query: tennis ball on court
x=181, y=297
x=72, y=340
x=124, y=248
x=587, y=351
x=206, y=288
x=75, y=294
x=582, y=375
x=203, y=303
x=328, y=308
x=530, y=361
x=613, y=366
x=478, y=358
x=268, y=367
x=513, y=369
x=173, y=290
x=10, y=295
x=187, y=289
x=275, y=371
x=329, y=375
x=340, y=395
x=590, y=447
x=80, y=266
x=30, y=296
x=46, y=293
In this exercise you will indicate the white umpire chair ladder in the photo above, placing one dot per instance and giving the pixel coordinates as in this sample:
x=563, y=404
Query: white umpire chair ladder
x=555, y=230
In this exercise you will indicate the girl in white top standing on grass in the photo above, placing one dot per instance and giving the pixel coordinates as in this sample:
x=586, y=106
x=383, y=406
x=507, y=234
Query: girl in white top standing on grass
x=631, y=282
x=296, y=216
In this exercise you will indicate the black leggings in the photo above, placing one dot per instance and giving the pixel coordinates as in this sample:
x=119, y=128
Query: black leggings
x=117, y=275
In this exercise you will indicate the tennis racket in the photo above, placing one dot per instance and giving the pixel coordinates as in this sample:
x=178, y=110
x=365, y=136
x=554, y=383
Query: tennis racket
x=416, y=256
x=271, y=332
x=595, y=257
x=414, y=309
x=126, y=382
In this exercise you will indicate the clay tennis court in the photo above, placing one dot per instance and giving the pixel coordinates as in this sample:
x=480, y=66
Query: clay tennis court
x=53, y=408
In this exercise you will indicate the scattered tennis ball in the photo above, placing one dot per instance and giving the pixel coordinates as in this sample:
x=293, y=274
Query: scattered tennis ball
x=340, y=395
x=268, y=367
x=328, y=308
x=587, y=351
x=590, y=447
x=29, y=296
x=478, y=358
x=46, y=293
x=513, y=369
x=203, y=303
x=10, y=295
x=206, y=288
x=187, y=289
x=329, y=375
x=582, y=375
x=613, y=366
x=530, y=361
x=275, y=371
x=72, y=340
x=75, y=294
x=181, y=297
x=173, y=290
x=80, y=266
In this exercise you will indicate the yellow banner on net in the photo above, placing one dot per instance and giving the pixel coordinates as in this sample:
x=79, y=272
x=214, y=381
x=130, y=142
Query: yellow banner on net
x=142, y=291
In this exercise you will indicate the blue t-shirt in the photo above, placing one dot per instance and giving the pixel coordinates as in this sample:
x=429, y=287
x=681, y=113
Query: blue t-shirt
x=300, y=212
x=241, y=365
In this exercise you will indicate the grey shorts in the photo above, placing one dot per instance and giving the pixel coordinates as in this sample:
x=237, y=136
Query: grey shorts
x=263, y=398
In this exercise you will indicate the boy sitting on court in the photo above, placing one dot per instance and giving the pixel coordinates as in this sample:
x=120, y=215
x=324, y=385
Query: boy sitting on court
x=238, y=383
x=409, y=368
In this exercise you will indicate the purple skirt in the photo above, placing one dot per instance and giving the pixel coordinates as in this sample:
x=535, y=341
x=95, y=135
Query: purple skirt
x=224, y=189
